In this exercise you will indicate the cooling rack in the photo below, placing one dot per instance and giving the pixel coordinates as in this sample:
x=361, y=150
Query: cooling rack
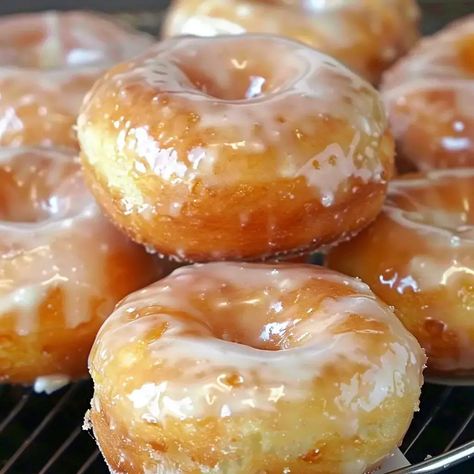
x=42, y=434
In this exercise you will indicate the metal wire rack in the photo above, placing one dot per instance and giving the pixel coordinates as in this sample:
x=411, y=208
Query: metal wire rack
x=42, y=434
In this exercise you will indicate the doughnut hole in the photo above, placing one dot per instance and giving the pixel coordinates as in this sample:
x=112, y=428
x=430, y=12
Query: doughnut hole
x=417, y=256
x=283, y=437
x=238, y=74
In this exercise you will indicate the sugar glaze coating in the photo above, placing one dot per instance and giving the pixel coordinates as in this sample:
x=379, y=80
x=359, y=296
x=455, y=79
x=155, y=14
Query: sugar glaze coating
x=367, y=35
x=62, y=267
x=419, y=257
x=217, y=134
x=429, y=95
x=231, y=367
x=48, y=61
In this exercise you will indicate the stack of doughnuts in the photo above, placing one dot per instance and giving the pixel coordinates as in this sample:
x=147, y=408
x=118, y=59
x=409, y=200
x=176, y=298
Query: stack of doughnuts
x=227, y=152
x=212, y=149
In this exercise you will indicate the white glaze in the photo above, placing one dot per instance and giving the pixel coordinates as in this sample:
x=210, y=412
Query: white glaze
x=41, y=87
x=199, y=361
x=306, y=88
x=330, y=175
x=446, y=230
x=50, y=383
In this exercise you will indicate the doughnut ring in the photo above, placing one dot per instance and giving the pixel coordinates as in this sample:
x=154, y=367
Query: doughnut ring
x=212, y=149
x=234, y=367
x=366, y=35
x=419, y=257
x=429, y=97
x=48, y=61
x=62, y=266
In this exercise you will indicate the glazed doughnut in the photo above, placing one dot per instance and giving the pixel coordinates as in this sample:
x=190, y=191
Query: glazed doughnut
x=246, y=368
x=367, y=35
x=429, y=97
x=419, y=257
x=62, y=266
x=48, y=61
x=212, y=148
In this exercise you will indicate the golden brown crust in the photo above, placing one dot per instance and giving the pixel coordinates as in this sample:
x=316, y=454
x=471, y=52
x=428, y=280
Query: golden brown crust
x=42, y=114
x=55, y=348
x=200, y=236
x=127, y=454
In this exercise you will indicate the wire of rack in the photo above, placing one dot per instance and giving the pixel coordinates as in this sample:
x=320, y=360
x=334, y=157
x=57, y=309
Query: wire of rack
x=43, y=433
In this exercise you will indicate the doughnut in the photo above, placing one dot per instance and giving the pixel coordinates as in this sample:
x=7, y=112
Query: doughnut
x=62, y=266
x=429, y=97
x=419, y=257
x=251, y=368
x=48, y=61
x=212, y=148
x=367, y=35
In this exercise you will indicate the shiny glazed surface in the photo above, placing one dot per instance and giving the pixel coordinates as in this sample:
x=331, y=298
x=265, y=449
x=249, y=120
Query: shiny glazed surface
x=212, y=148
x=245, y=368
x=367, y=35
x=48, y=61
x=62, y=266
x=429, y=96
x=419, y=257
